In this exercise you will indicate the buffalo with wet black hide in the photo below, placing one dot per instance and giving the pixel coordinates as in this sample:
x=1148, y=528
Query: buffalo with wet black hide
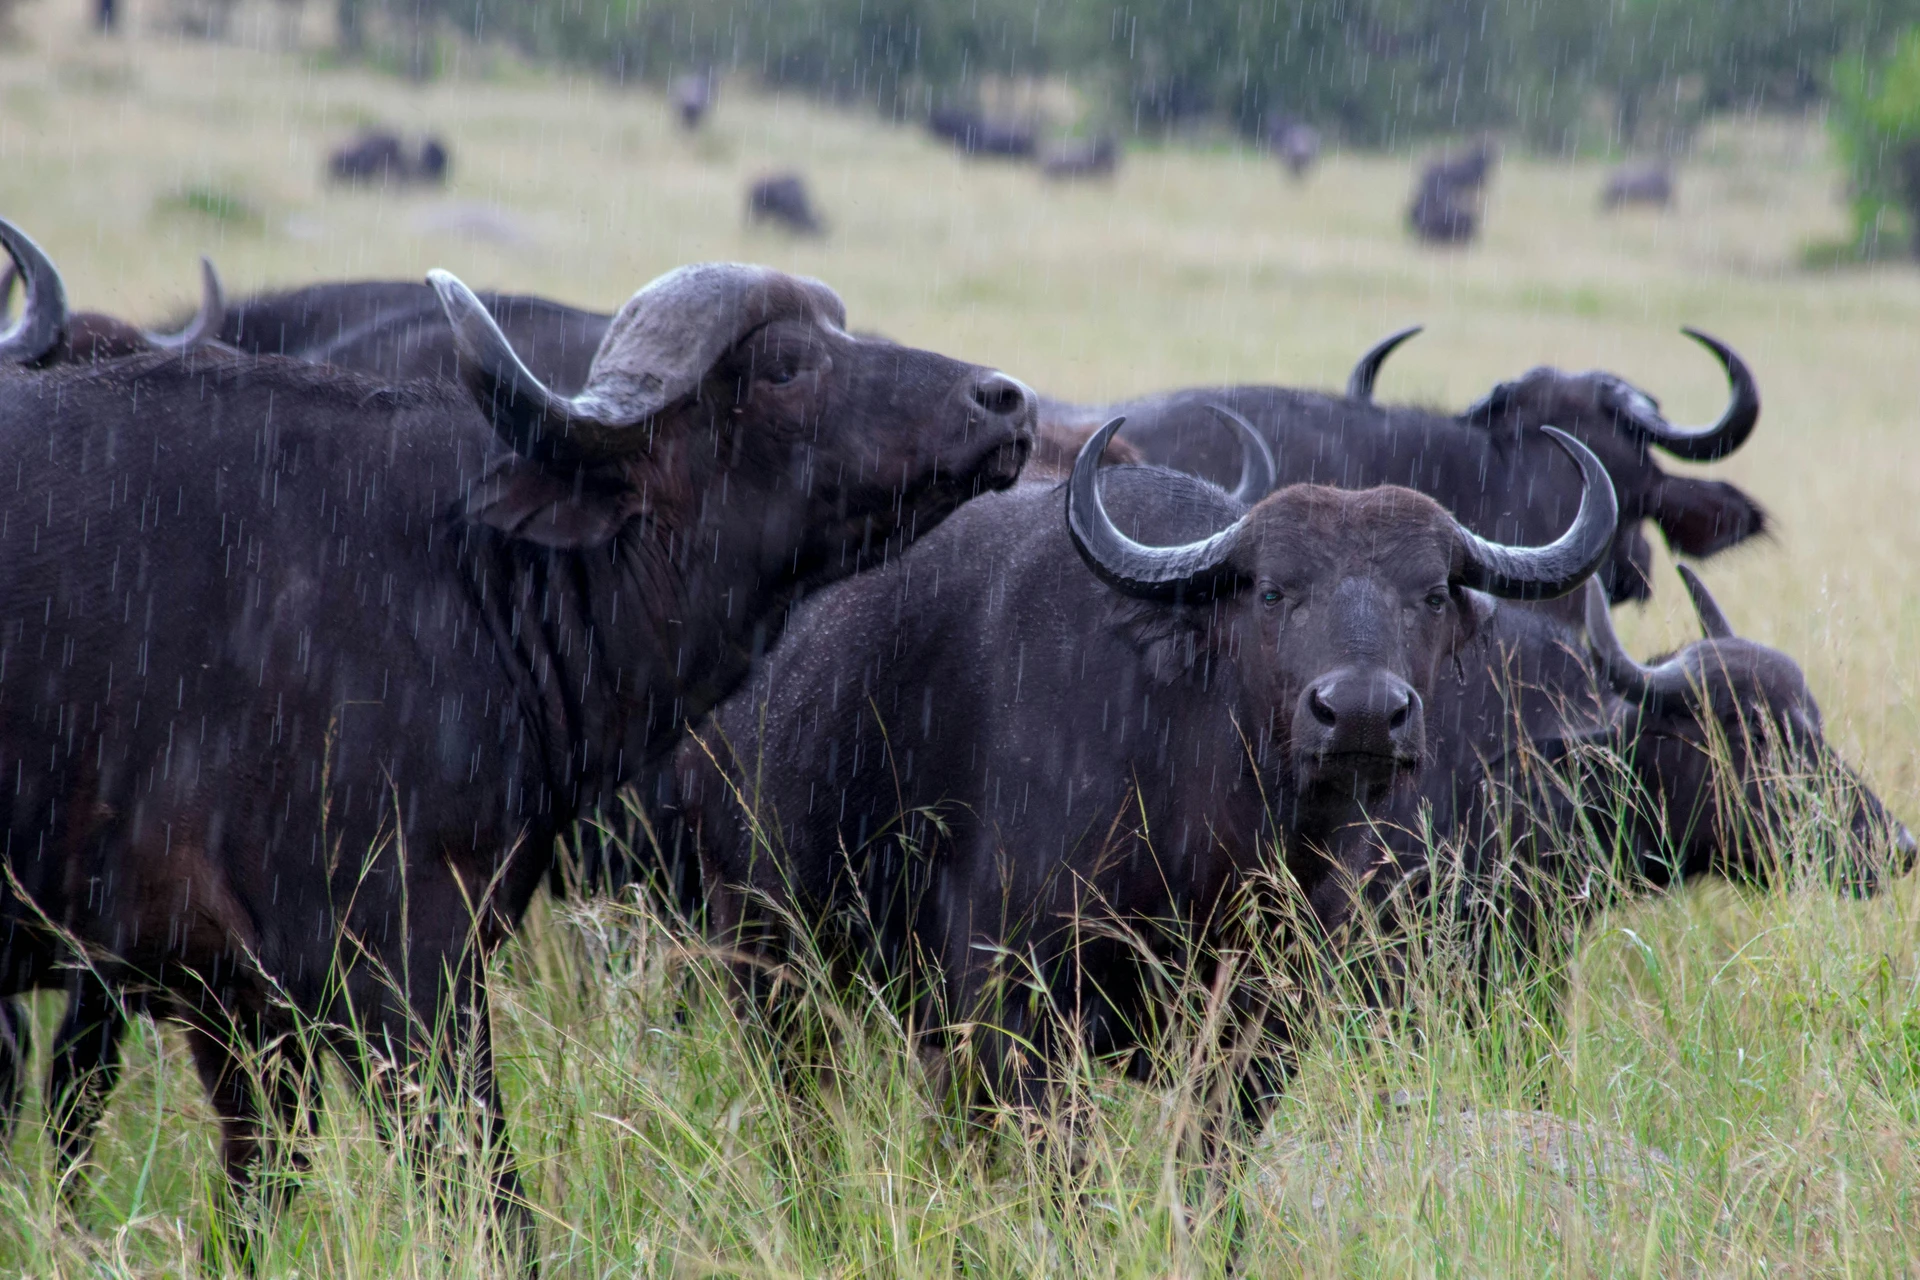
x=949, y=766
x=1565, y=772
x=305, y=672
x=395, y=330
x=1489, y=465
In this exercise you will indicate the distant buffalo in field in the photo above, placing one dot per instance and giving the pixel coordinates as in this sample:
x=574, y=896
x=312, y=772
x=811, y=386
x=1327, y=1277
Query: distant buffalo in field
x=382, y=156
x=1446, y=203
x=783, y=198
x=693, y=98
x=1295, y=143
x=981, y=135
x=1650, y=183
x=1087, y=158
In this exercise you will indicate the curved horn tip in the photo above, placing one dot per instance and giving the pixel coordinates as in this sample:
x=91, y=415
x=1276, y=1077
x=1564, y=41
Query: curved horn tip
x=211, y=291
x=452, y=291
x=1119, y=561
x=1258, y=469
x=1713, y=620
x=1622, y=672
x=1598, y=612
x=1545, y=573
x=1367, y=369
x=1736, y=421
x=1096, y=444
x=207, y=319
x=476, y=332
x=43, y=314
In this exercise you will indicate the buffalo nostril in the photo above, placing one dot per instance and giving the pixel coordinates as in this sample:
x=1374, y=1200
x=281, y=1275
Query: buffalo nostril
x=1002, y=396
x=1321, y=711
x=1398, y=720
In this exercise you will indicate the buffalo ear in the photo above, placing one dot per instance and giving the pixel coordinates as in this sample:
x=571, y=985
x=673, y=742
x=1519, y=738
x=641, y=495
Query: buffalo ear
x=1627, y=574
x=1701, y=517
x=1476, y=611
x=550, y=507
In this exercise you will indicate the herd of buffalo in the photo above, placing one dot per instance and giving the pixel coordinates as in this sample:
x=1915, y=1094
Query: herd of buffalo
x=327, y=616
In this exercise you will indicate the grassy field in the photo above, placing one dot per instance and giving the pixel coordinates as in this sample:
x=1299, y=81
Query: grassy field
x=1767, y=1044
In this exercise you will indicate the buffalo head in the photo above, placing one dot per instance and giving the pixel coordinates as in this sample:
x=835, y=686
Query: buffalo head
x=1728, y=741
x=731, y=402
x=1623, y=425
x=1338, y=607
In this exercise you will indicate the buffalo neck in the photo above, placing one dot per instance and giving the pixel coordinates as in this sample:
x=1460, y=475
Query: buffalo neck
x=615, y=648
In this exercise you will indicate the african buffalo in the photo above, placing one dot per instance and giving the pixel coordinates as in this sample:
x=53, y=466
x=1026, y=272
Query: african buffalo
x=782, y=198
x=395, y=330
x=952, y=764
x=1446, y=200
x=976, y=134
x=1563, y=770
x=1488, y=465
x=1295, y=142
x=1711, y=732
x=382, y=156
x=47, y=334
x=349, y=667
x=1650, y=183
x=693, y=98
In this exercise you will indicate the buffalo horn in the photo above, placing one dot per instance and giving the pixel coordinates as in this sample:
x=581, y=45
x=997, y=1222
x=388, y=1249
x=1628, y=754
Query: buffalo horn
x=1257, y=467
x=206, y=322
x=43, y=316
x=1541, y=573
x=1704, y=444
x=1360, y=381
x=656, y=352
x=1118, y=560
x=1620, y=669
x=537, y=422
x=1713, y=623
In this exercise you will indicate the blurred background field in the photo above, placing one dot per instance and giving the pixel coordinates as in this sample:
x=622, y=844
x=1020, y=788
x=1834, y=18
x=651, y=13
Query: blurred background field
x=1768, y=1043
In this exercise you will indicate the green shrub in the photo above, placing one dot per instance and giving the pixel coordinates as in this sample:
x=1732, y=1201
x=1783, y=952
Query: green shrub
x=1876, y=126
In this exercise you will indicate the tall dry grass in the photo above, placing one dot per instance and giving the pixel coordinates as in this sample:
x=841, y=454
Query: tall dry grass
x=1767, y=1043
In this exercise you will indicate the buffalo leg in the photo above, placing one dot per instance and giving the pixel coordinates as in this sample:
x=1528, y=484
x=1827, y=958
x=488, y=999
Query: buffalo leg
x=456, y=1066
x=466, y=1078
x=85, y=1066
x=248, y=1139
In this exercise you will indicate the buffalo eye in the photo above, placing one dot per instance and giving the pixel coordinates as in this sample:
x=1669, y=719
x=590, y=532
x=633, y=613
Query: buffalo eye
x=778, y=375
x=1270, y=597
x=1437, y=600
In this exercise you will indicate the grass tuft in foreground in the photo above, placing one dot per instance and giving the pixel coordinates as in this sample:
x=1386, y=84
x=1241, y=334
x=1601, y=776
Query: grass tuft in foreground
x=1721, y=1080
